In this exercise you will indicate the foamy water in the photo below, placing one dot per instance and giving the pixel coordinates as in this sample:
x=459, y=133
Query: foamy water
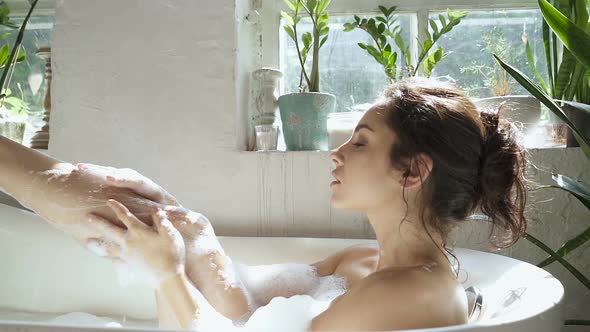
x=290, y=313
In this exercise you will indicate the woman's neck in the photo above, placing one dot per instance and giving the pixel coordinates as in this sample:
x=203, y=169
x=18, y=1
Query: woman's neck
x=403, y=241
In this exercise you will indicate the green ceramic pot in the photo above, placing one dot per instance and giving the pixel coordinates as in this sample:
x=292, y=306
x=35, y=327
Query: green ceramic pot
x=304, y=117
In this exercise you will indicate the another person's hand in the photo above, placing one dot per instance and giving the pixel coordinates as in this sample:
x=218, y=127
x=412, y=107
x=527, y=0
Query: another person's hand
x=135, y=181
x=159, y=246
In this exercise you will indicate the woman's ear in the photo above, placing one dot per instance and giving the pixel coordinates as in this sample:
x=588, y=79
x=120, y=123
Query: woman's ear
x=418, y=171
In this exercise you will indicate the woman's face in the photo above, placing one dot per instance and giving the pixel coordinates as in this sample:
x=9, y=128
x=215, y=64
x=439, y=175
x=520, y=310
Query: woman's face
x=364, y=176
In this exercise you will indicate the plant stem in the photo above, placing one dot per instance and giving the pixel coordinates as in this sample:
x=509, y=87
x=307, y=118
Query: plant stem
x=314, y=84
x=17, y=43
x=299, y=55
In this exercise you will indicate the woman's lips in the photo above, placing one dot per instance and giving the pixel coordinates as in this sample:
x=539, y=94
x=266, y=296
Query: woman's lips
x=336, y=181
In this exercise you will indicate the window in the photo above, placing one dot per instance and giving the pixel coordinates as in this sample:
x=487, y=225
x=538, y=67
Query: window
x=347, y=71
x=482, y=33
x=355, y=78
x=28, y=84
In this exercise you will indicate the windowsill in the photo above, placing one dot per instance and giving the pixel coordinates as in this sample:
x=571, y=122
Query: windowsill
x=317, y=152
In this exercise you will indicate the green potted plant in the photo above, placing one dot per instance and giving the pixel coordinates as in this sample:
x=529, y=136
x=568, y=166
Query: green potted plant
x=304, y=114
x=576, y=40
x=11, y=126
x=524, y=109
x=568, y=80
x=386, y=33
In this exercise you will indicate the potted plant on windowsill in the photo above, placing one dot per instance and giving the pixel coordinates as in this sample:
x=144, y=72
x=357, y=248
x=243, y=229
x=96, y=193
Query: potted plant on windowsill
x=576, y=41
x=522, y=109
x=387, y=34
x=11, y=126
x=568, y=78
x=304, y=114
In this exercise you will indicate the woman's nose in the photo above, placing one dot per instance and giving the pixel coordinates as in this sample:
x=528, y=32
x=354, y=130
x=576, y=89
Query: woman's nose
x=336, y=157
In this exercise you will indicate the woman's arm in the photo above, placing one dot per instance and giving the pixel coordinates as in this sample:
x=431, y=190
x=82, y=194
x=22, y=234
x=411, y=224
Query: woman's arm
x=175, y=290
x=236, y=290
x=160, y=249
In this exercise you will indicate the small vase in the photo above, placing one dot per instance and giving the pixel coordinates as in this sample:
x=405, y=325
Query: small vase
x=304, y=117
x=265, y=97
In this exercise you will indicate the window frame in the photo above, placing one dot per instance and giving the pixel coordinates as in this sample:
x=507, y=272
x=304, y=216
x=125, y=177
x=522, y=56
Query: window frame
x=270, y=17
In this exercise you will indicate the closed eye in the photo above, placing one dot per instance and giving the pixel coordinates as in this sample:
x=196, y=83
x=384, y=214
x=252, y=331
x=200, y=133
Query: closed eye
x=358, y=144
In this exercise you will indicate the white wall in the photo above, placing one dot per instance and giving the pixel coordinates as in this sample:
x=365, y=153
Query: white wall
x=151, y=85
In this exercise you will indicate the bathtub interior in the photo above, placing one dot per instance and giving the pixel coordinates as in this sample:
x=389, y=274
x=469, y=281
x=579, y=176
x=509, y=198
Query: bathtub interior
x=47, y=274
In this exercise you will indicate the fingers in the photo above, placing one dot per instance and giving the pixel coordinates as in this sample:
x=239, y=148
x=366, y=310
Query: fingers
x=163, y=225
x=161, y=221
x=106, y=226
x=142, y=187
x=104, y=248
x=131, y=179
x=133, y=224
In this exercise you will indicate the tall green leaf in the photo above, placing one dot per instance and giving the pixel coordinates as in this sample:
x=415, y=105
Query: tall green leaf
x=529, y=54
x=547, y=34
x=575, y=272
x=287, y=18
x=547, y=101
x=289, y=31
x=322, y=6
x=568, y=247
x=568, y=62
x=290, y=5
x=580, y=190
x=572, y=37
x=432, y=60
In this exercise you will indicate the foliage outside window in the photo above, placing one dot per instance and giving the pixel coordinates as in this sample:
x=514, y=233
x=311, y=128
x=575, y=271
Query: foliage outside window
x=354, y=76
x=28, y=85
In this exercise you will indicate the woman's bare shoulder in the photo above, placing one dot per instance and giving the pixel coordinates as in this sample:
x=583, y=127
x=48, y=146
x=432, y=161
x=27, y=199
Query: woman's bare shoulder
x=395, y=299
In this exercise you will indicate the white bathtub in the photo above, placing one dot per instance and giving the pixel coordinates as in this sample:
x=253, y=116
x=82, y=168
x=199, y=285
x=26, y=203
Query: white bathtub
x=45, y=274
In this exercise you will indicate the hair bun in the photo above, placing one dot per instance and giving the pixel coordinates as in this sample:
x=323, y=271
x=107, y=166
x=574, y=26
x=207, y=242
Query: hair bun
x=502, y=164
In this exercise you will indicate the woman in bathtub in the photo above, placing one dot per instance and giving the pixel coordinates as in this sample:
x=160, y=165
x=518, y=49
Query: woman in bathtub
x=420, y=161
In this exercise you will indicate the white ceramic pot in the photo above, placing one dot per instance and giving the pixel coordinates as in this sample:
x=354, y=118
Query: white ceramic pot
x=520, y=109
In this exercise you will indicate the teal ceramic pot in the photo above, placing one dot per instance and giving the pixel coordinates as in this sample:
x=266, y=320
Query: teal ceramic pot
x=304, y=117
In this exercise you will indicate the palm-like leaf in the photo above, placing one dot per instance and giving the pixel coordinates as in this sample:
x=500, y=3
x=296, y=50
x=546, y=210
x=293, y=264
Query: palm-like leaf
x=572, y=36
x=547, y=101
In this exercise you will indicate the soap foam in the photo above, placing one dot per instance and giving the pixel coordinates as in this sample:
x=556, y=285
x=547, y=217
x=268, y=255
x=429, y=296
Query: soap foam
x=83, y=319
x=306, y=295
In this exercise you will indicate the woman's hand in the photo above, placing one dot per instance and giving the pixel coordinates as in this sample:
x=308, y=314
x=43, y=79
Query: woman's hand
x=133, y=180
x=160, y=246
x=196, y=231
x=207, y=266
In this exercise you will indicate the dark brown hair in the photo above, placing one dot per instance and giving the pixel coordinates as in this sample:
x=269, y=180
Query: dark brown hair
x=477, y=161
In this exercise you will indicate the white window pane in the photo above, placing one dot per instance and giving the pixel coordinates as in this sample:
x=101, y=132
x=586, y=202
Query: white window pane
x=346, y=70
x=481, y=33
x=28, y=82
